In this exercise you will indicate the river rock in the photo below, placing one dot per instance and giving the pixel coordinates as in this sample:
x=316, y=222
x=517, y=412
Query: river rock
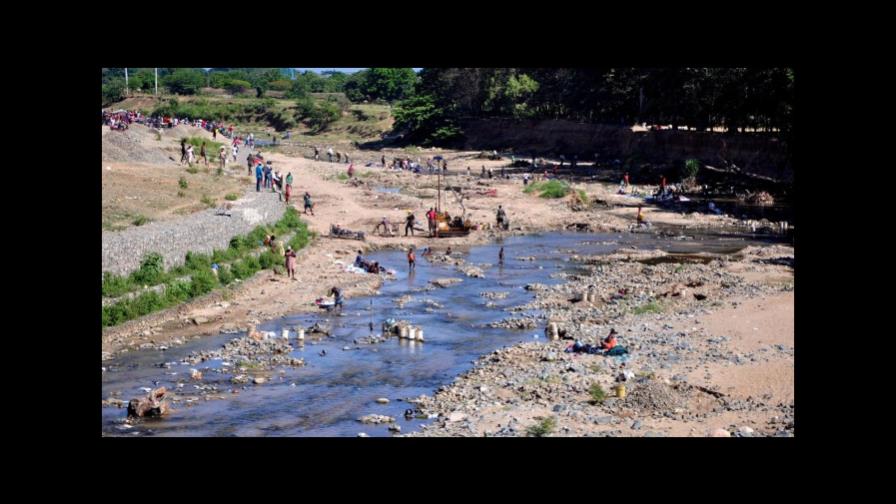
x=362, y=434
x=258, y=380
x=445, y=282
x=456, y=416
x=382, y=400
x=395, y=428
x=376, y=419
x=199, y=320
x=720, y=433
x=474, y=272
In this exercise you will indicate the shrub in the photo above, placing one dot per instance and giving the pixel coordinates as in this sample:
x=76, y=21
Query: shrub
x=115, y=285
x=231, y=197
x=177, y=292
x=268, y=259
x=691, y=168
x=181, y=194
x=197, y=262
x=202, y=282
x=140, y=220
x=225, y=277
x=208, y=201
x=182, y=182
x=651, y=307
x=542, y=428
x=598, y=395
x=549, y=189
x=151, y=271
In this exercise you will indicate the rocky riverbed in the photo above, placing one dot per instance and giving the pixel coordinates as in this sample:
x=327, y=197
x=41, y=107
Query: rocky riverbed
x=682, y=377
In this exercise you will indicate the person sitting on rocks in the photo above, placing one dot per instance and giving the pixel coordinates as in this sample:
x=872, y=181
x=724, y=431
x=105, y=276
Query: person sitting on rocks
x=359, y=260
x=610, y=341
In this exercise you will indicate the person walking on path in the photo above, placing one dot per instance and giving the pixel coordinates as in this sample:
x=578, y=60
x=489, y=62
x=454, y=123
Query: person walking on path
x=223, y=156
x=316, y=153
x=202, y=153
x=250, y=162
x=190, y=157
x=351, y=170
x=501, y=217
x=288, y=189
x=330, y=154
x=268, y=169
x=290, y=263
x=183, y=150
x=383, y=160
x=259, y=176
x=409, y=224
x=308, y=204
x=412, y=262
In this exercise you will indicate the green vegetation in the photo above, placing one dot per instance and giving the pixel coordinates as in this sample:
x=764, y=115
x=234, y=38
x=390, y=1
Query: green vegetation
x=682, y=97
x=208, y=201
x=192, y=170
x=651, y=307
x=549, y=189
x=597, y=393
x=211, y=148
x=691, y=168
x=182, y=182
x=140, y=220
x=542, y=428
x=181, y=194
x=242, y=265
x=231, y=197
x=342, y=176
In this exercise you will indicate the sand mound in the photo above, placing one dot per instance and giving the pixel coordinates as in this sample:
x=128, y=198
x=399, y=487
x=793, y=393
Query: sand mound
x=138, y=144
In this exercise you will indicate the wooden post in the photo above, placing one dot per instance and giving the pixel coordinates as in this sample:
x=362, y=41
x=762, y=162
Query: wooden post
x=126, y=81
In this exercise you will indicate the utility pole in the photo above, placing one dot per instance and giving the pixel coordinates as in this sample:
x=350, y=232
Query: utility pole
x=157, y=81
x=125, y=81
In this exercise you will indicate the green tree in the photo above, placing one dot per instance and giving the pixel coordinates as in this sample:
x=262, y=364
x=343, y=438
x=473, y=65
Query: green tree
x=184, y=81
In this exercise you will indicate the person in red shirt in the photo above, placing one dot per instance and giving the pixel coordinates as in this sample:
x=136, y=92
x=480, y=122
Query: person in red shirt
x=431, y=219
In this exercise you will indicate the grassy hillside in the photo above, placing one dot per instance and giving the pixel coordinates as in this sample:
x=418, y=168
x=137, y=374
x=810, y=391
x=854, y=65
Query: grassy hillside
x=267, y=116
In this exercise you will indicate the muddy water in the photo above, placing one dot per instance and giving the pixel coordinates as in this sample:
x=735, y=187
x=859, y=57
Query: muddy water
x=325, y=397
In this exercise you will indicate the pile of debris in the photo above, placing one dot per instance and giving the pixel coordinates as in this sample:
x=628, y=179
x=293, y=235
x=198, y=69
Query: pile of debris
x=153, y=405
x=760, y=198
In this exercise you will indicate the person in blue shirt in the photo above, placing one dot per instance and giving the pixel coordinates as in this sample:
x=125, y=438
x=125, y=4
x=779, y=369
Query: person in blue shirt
x=259, y=173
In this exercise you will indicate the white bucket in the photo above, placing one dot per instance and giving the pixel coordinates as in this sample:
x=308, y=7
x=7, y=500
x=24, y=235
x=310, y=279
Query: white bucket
x=301, y=334
x=285, y=334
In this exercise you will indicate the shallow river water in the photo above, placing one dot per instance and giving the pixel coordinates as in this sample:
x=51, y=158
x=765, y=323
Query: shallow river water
x=325, y=397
